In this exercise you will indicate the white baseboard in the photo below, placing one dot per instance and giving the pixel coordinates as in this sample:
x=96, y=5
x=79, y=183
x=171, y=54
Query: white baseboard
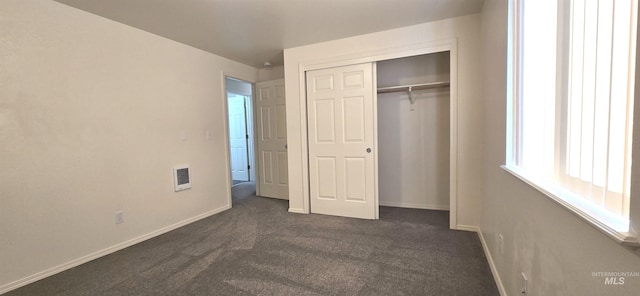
x=297, y=211
x=467, y=228
x=414, y=205
x=275, y=197
x=95, y=255
x=392, y=204
x=487, y=254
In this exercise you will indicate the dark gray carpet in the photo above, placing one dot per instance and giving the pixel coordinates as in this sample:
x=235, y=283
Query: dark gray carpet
x=258, y=248
x=242, y=190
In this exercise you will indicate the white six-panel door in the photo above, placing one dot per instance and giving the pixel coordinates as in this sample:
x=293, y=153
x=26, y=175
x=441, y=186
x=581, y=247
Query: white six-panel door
x=272, y=139
x=340, y=112
x=238, y=137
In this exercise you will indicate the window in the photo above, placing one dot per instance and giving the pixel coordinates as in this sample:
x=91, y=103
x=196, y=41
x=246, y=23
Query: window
x=573, y=73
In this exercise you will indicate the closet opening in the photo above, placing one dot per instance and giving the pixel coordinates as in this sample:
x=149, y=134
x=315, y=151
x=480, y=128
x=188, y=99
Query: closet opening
x=381, y=132
x=414, y=128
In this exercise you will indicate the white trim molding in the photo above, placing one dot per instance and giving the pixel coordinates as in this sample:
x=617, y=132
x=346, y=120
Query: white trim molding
x=434, y=207
x=487, y=253
x=593, y=217
x=297, y=211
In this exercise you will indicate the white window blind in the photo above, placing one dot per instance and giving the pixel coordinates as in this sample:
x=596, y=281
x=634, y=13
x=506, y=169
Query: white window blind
x=575, y=66
x=597, y=158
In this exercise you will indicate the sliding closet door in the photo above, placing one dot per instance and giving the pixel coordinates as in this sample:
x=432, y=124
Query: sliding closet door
x=340, y=112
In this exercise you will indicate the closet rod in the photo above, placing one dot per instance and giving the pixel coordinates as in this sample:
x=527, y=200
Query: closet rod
x=430, y=85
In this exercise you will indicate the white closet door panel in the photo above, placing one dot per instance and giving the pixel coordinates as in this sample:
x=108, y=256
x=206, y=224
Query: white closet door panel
x=355, y=171
x=341, y=138
x=324, y=123
x=354, y=119
x=326, y=178
x=272, y=140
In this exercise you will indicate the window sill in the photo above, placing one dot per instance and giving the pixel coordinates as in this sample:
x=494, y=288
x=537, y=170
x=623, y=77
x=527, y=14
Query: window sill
x=616, y=230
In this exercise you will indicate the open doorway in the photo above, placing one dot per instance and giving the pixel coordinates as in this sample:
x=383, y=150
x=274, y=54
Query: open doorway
x=241, y=145
x=414, y=131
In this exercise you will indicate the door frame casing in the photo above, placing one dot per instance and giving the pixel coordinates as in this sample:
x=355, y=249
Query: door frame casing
x=444, y=45
x=252, y=143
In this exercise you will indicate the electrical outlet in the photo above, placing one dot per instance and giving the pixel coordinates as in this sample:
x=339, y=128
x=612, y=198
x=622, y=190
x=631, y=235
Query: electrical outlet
x=523, y=284
x=500, y=244
x=119, y=217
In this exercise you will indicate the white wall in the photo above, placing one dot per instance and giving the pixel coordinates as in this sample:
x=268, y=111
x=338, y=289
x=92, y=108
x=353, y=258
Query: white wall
x=413, y=145
x=555, y=249
x=271, y=73
x=91, y=115
x=466, y=30
x=413, y=70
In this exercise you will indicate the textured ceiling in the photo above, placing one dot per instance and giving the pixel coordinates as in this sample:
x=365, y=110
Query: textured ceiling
x=255, y=31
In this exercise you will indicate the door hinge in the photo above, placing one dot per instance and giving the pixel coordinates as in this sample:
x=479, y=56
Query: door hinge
x=247, y=136
x=248, y=167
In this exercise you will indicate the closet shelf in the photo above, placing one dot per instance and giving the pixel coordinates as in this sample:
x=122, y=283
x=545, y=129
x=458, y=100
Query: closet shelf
x=412, y=87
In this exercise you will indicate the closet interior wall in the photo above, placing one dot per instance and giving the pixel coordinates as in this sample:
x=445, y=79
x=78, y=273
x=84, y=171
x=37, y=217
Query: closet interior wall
x=413, y=145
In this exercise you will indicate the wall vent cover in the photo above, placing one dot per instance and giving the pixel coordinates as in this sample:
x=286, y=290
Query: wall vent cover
x=181, y=178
